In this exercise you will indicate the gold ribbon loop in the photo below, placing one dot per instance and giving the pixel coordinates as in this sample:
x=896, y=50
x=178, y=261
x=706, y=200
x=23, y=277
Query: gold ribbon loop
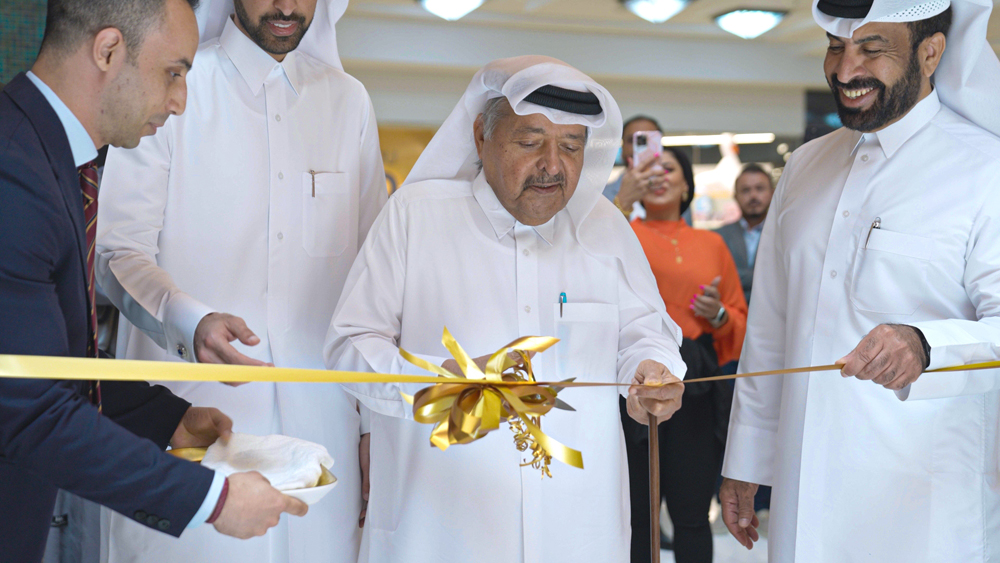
x=465, y=412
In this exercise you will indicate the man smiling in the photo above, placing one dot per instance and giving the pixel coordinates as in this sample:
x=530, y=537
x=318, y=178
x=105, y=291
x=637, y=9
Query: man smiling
x=882, y=245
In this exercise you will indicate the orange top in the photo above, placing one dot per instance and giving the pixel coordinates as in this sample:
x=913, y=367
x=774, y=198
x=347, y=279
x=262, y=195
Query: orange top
x=683, y=259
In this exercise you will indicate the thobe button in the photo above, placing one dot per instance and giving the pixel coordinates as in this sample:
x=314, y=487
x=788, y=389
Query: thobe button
x=864, y=158
x=847, y=214
x=140, y=515
x=281, y=176
x=277, y=117
x=182, y=351
x=280, y=236
x=526, y=252
x=163, y=525
x=833, y=274
x=527, y=308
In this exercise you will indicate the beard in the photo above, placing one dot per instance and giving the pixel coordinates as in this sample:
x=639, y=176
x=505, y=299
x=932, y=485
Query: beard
x=890, y=104
x=755, y=216
x=264, y=39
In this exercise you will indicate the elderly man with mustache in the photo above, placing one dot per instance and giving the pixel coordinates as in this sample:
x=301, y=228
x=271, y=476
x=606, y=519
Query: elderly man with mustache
x=500, y=218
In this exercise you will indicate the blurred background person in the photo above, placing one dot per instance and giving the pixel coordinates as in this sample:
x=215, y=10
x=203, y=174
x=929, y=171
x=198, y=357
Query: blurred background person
x=753, y=192
x=700, y=286
x=626, y=190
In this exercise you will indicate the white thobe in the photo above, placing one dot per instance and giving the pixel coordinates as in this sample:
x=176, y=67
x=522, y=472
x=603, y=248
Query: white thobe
x=217, y=212
x=447, y=254
x=858, y=474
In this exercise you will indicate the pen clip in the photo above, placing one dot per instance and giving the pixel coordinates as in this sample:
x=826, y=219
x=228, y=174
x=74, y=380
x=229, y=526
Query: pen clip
x=876, y=224
x=562, y=299
x=313, y=174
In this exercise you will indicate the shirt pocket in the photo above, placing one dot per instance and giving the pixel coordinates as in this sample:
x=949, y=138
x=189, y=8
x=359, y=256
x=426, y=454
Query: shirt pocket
x=326, y=201
x=890, y=272
x=588, y=341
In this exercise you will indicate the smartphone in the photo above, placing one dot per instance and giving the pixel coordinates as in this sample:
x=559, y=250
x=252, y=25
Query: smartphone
x=646, y=145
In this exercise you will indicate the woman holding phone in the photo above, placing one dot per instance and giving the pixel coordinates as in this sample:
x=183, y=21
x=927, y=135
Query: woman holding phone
x=643, y=168
x=701, y=288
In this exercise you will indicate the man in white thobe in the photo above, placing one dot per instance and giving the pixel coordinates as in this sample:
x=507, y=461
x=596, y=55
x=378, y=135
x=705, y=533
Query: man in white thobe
x=253, y=203
x=881, y=244
x=488, y=253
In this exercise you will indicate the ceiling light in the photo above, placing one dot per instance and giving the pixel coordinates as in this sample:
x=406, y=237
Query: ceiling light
x=655, y=11
x=749, y=23
x=450, y=10
x=706, y=140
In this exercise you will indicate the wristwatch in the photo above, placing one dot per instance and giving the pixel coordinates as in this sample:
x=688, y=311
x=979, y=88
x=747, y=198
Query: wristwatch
x=718, y=318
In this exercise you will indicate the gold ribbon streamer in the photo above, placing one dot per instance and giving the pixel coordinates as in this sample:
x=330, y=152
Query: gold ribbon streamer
x=464, y=409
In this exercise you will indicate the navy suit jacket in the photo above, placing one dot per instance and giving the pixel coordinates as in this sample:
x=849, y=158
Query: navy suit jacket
x=733, y=235
x=50, y=435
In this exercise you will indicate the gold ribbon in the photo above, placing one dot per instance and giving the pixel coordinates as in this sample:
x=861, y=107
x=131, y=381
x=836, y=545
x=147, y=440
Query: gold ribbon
x=463, y=409
x=465, y=412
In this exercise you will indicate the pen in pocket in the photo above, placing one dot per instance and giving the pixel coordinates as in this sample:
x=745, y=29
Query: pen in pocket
x=876, y=224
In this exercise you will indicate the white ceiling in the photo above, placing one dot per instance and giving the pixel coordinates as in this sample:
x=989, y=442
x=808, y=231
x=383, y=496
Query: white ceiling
x=797, y=32
x=695, y=76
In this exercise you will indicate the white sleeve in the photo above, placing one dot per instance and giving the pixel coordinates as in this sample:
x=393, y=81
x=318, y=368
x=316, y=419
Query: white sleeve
x=364, y=333
x=132, y=198
x=753, y=423
x=373, y=192
x=956, y=341
x=644, y=335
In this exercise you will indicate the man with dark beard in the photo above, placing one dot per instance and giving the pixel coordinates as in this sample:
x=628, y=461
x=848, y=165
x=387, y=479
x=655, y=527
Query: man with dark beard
x=254, y=203
x=882, y=245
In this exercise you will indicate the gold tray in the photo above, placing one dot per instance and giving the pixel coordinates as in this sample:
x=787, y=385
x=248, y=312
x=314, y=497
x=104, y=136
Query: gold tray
x=197, y=454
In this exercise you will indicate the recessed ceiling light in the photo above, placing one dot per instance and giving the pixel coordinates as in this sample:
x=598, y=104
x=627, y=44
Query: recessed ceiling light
x=450, y=10
x=655, y=11
x=749, y=23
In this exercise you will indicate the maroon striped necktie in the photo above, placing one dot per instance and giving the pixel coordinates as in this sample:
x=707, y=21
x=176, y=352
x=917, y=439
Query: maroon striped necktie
x=88, y=185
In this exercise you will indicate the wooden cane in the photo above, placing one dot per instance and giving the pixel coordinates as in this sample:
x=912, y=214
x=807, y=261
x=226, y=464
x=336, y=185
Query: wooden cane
x=654, y=488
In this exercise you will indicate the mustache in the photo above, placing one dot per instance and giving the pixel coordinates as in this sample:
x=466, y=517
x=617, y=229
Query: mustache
x=279, y=17
x=857, y=83
x=559, y=178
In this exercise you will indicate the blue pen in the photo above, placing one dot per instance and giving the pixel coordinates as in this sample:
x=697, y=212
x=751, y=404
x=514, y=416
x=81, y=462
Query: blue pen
x=562, y=299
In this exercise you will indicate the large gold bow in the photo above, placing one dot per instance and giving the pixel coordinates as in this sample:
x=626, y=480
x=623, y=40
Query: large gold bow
x=465, y=412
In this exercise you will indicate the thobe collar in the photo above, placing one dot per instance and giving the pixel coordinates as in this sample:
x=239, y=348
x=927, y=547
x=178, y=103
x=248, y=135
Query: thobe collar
x=80, y=142
x=500, y=219
x=893, y=136
x=252, y=62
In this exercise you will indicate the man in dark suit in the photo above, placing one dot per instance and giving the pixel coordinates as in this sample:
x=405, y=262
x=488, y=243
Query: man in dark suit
x=753, y=194
x=109, y=71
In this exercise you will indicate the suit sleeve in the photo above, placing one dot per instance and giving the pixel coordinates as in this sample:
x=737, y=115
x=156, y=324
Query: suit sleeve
x=753, y=425
x=130, y=217
x=728, y=339
x=47, y=427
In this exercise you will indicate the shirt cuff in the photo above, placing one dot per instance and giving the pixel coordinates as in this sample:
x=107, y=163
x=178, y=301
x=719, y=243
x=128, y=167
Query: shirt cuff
x=211, y=499
x=750, y=454
x=180, y=320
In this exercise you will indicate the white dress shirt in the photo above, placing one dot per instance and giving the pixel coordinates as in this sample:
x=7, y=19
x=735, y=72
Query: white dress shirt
x=447, y=254
x=217, y=212
x=858, y=474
